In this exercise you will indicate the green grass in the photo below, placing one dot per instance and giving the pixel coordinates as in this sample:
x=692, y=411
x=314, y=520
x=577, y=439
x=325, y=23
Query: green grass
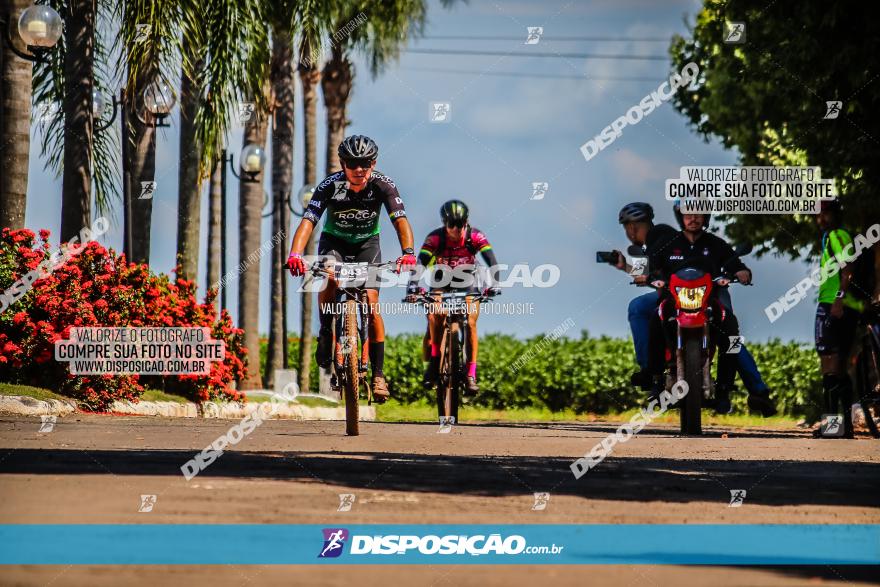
x=29, y=391
x=154, y=395
x=314, y=402
x=393, y=411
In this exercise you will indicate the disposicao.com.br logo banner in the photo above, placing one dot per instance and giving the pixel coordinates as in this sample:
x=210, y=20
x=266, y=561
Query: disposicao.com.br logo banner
x=417, y=544
x=430, y=543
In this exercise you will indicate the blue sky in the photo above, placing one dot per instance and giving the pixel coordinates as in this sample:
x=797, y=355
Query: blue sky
x=505, y=132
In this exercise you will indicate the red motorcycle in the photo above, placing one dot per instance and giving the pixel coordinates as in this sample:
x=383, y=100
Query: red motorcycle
x=690, y=301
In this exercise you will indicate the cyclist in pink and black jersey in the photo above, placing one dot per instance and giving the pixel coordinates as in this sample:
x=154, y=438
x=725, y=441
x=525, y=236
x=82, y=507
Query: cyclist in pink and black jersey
x=454, y=245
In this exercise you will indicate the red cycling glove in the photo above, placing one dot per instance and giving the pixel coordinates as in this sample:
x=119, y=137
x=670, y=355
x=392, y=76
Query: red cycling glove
x=296, y=265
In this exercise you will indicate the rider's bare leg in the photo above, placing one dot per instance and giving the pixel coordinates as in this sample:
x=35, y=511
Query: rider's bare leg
x=435, y=337
x=473, y=340
x=473, y=345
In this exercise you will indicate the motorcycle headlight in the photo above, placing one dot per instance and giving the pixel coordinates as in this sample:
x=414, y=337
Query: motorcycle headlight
x=690, y=298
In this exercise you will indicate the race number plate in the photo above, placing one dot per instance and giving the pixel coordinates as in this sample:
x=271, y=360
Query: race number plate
x=348, y=273
x=453, y=305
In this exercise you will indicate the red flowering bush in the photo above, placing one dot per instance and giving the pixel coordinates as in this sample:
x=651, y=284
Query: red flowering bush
x=97, y=287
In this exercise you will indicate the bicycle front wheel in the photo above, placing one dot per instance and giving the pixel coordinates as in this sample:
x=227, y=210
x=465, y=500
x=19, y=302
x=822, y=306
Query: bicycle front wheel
x=450, y=376
x=350, y=362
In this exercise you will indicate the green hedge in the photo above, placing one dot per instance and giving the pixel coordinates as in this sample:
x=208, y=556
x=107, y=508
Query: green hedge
x=586, y=374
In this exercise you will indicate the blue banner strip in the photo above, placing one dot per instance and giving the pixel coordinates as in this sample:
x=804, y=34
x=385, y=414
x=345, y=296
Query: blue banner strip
x=715, y=544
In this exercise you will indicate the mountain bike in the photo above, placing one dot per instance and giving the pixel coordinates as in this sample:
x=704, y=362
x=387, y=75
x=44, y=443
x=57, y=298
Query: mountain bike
x=868, y=369
x=351, y=324
x=452, y=375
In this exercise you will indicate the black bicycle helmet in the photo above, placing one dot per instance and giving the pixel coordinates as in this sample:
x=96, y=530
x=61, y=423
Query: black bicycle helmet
x=358, y=147
x=454, y=211
x=679, y=217
x=636, y=212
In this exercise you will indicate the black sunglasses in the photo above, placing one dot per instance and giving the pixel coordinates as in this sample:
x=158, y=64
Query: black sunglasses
x=355, y=163
x=456, y=223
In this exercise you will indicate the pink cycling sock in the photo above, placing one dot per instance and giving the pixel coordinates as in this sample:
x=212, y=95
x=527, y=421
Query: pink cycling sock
x=472, y=369
x=435, y=350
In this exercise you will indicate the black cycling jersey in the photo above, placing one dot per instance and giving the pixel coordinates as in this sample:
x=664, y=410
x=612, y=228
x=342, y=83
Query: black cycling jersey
x=709, y=253
x=354, y=216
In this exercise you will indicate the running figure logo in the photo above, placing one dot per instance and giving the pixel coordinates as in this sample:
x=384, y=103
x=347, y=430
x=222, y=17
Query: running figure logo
x=147, y=503
x=539, y=190
x=334, y=540
x=734, y=33
x=440, y=111
x=340, y=190
x=346, y=500
x=541, y=501
x=638, y=266
x=245, y=111
x=147, y=189
x=831, y=425
x=832, y=109
x=534, y=35
x=47, y=424
x=736, y=344
x=446, y=424
x=737, y=497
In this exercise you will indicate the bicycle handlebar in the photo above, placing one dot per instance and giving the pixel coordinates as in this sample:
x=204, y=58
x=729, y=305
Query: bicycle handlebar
x=318, y=268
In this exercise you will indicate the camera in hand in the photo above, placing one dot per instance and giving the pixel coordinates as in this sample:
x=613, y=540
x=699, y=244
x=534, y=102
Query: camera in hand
x=610, y=257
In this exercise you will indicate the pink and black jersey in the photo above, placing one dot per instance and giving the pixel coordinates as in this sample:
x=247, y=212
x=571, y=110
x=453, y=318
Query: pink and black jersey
x=443, y=250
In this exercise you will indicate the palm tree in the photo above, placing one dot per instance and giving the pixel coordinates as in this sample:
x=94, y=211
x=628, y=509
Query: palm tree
x=79, y=61
x=77, y=66
x=379, y=30
x=215, y=217
x=15, y=115
x=309, y=76
x=189, y=180
x=283, y=79
x=250, y=208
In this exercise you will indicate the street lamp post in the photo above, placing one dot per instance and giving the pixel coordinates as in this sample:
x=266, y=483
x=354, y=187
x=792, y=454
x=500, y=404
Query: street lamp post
x=39, y=27
x=158, y=100
x=251, y=162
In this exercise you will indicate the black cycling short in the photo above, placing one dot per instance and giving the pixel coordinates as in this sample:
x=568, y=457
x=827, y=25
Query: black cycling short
x=367, y=251
x=835, y=336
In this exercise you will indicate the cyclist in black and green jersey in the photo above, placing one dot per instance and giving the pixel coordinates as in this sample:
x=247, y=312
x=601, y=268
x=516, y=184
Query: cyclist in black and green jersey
x=837, y=316
x=353, y=199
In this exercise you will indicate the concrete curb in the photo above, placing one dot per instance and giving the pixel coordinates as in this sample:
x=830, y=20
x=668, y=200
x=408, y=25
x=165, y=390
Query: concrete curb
x=28, y=406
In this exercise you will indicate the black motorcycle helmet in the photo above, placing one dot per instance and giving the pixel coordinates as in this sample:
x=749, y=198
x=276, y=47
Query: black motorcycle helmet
x=454, y=212
x=358, y=147
x=679, y=217
x=636, y=212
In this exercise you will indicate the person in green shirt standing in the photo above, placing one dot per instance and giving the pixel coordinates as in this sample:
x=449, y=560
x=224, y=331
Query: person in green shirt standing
x=837, y=316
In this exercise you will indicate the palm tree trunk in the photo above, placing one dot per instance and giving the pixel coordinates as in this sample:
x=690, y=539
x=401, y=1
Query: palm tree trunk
x=141, y=145
x=250, y=211
x=283, y=85
x=215, y=244
x=309, y=77
x=76, y=192
x=336, y=83
x=15, y=123
x=189, y=186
